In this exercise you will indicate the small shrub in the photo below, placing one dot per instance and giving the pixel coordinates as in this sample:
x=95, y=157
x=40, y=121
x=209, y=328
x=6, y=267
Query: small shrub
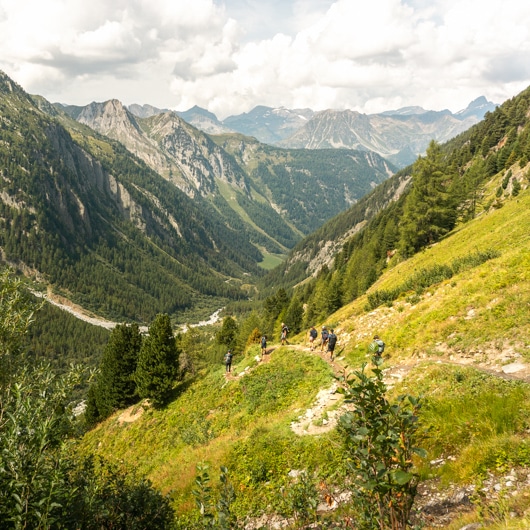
x=380, y=439
x=299, y=499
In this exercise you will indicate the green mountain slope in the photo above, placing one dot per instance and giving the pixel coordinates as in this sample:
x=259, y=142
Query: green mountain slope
x=81, y=213
x=278, y=195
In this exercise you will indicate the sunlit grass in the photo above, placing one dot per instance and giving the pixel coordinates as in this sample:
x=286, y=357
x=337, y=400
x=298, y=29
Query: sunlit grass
x=208, y=419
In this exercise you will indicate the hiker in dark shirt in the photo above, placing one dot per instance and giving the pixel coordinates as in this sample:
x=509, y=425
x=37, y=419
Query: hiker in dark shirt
x=263, y=345
x=324, y=334
x=332, y=342
x=228, y=361
x=313, y=334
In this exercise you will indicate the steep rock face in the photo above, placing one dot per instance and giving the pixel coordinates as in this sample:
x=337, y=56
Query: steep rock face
x=169, y=145
x=200, y=161
x=89, y=172
x=112, y=119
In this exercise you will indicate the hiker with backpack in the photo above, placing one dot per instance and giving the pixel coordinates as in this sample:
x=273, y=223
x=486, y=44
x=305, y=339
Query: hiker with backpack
x=263, y=345
x=313, y=334
x=324, y=334
x=377, y=347
x=332, y=342
x=228, y=361
x=283, y=336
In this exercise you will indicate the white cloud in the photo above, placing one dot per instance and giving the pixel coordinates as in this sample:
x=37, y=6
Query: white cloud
x=230, y=57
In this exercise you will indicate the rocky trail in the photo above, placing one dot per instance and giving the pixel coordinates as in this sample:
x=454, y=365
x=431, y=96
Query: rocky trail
x=328, y=406
x=434, y=507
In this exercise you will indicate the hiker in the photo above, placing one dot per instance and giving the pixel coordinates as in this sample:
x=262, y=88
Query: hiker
x=377, y=347
x=332, y=341
x=324, y=334
x=263, y=345
x=228, y=361
x=285, y=330
x=313, y=334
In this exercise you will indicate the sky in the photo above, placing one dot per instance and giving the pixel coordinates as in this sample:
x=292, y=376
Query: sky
x=229, y=56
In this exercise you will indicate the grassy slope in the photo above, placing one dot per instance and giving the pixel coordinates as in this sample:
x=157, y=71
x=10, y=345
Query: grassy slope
x=245, y=423
x=209, y=419
x=488, y=303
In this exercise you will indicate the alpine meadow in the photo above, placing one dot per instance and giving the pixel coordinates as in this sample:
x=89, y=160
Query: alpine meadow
x=138, y=249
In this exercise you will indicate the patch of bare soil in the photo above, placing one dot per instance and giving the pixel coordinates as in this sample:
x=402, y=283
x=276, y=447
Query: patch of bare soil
x=131, y=414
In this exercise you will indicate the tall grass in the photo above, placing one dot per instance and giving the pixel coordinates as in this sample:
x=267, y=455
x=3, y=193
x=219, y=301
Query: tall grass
x=473, y=420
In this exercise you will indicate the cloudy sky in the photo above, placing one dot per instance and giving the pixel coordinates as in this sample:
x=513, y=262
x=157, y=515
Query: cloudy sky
x=230, y=55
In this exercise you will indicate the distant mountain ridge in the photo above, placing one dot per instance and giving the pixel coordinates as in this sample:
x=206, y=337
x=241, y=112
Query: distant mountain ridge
x=398, y=135
x=269, y=125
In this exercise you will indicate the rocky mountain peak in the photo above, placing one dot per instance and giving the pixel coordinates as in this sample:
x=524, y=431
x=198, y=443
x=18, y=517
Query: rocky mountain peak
x=109, y=117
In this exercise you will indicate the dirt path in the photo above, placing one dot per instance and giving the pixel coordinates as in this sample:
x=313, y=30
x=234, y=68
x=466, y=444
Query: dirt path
x=73, y=309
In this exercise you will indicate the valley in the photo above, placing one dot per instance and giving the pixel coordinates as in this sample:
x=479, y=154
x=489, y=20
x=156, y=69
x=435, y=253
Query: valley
x=144, y=226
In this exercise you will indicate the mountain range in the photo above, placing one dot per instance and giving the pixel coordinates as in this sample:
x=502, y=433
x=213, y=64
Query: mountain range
x=399, y=135
x=281, y=195
x=133, y=216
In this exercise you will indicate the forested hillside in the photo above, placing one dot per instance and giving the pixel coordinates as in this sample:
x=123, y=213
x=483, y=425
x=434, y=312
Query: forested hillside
x=452, y=184
x=81, y=213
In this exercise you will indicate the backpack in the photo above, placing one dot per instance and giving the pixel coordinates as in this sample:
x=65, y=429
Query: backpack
x=228, y=358
x=378, y=346
x=332, y=339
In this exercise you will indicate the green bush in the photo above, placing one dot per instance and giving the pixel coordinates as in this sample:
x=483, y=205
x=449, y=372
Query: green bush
x=381, y=439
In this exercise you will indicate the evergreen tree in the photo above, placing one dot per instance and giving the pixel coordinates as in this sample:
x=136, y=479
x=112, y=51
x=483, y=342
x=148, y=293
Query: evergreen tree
x=428, y=212
x=157, y=365
x=116, y=387
x=228, y=332
x=246, y=333
x=294, y=315
x=333, y=293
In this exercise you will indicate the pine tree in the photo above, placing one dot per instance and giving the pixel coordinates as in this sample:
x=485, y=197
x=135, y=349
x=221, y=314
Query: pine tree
x=116, y=387
x=157, y=366
x=294, y=315
x=228, y=332
x=428, y=212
